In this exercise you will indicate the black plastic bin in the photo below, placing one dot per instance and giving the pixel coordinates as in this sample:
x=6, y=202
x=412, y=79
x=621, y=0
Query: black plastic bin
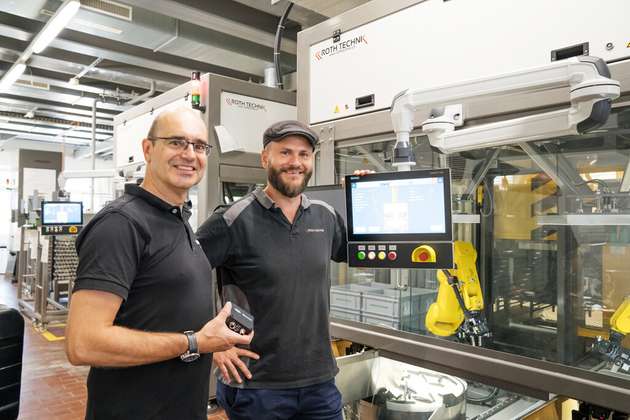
x=11, y=345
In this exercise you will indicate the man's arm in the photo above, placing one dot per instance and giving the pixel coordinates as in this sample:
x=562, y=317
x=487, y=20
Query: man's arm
x=339, y=251
x=215, y=239
x=92, y=339
x=214, y=236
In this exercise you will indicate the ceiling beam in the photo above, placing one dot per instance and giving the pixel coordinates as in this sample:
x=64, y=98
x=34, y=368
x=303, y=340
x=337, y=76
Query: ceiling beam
x=94, y=47
x=76, y=113
x=59, y=96
x=43, y=137
x=60, y=65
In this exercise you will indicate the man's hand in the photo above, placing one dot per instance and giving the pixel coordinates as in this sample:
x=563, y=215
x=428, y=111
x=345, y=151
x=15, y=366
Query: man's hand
x=228, y=362
x=216, y=336
x=359, y=172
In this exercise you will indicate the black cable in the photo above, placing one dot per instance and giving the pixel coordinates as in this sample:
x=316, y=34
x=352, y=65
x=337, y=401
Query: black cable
x=276, y=47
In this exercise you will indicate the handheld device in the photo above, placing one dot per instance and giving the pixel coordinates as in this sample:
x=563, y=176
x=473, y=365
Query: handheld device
x=240, y=321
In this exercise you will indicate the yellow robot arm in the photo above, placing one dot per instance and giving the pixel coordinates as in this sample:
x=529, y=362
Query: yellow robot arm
x=620, y=321
x=458, y=308
x=613, y=348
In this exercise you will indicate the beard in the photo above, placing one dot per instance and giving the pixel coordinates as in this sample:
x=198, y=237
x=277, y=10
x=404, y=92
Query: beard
x=273, y=176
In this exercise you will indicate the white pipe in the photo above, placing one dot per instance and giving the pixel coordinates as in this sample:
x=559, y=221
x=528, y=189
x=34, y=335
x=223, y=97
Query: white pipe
x=144, y=96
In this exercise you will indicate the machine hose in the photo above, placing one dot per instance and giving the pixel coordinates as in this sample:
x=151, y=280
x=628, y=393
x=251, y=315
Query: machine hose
x=276, y=47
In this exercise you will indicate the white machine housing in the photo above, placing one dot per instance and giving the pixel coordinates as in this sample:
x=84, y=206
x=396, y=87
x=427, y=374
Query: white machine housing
x=435, y=43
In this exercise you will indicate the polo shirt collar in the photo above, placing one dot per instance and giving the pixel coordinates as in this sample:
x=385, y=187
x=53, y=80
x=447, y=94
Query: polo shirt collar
x=266, y=201
x=155, y=201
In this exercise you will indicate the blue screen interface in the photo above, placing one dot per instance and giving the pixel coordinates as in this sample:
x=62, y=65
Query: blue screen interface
x=61, y=213
x=399, y=206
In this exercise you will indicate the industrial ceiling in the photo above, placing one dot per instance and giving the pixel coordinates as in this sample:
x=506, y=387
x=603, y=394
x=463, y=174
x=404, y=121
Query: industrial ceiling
x=117, y=51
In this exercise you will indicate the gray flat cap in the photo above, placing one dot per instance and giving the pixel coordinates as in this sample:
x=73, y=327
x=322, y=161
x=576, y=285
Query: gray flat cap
x=282, y=129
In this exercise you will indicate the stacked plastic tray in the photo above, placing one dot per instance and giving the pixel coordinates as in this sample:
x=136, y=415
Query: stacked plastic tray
x=381, y=304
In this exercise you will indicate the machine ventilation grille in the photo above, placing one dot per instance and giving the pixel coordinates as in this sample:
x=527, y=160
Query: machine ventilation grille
x=33, y=84
x=108, y=7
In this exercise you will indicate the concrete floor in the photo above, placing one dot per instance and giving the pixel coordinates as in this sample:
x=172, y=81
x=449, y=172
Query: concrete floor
x=52, y=389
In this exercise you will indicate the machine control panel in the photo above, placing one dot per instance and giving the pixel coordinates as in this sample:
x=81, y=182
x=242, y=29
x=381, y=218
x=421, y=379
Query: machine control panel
x=400, y=220
x=428, y=255
x=61, y=229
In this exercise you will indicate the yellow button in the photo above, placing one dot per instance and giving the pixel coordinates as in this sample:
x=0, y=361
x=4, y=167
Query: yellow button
x=382, y=255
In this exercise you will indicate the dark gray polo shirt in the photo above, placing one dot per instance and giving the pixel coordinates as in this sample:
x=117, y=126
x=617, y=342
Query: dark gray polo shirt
x=279, y=272
x=143, y=250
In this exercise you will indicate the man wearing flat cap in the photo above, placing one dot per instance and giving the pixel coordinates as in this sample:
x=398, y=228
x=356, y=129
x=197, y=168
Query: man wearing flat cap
x=272, y=251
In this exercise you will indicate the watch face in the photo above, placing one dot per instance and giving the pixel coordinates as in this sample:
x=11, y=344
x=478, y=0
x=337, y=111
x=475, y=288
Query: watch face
x=189, y=357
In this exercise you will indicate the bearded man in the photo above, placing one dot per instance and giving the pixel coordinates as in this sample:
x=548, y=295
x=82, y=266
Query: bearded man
x=272, y=251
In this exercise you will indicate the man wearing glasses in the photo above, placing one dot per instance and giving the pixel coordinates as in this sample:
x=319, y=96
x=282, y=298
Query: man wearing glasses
x=142, y=303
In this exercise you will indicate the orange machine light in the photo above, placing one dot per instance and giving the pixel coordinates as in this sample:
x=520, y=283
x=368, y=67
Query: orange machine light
x=423, y=254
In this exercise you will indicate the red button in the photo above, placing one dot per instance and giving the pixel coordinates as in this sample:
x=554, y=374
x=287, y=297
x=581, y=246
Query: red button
x=391, y=256
x=423, y=256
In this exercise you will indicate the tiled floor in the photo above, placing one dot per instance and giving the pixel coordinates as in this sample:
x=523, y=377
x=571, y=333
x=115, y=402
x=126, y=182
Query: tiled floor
x=52, y=389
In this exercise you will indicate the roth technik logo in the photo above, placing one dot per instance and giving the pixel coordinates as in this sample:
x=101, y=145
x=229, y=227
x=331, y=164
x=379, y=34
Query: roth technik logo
x=341, y=46
x=245, y=104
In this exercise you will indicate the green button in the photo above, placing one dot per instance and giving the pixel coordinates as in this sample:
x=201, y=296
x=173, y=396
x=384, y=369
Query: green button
x=361, y=255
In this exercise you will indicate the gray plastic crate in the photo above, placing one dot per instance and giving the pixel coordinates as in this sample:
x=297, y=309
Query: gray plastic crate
x=345, y=314
x=390, y=303
x=349, y=296
x=414, y=323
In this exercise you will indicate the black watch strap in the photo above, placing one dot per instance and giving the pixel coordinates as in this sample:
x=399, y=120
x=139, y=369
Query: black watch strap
x=192, y=342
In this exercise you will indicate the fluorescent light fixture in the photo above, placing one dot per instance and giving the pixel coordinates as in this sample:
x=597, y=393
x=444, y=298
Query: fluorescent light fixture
x=12, y=75
x=56, y=23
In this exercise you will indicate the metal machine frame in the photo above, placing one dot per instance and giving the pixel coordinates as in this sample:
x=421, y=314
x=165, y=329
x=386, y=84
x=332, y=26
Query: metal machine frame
x=539, y=379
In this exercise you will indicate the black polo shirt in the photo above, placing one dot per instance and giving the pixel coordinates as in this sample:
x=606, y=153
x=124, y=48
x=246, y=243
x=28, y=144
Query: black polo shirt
x=279, y=272
x=143, y=250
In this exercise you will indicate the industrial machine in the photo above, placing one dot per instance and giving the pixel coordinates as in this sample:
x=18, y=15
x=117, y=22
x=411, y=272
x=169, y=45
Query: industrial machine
x=534, y=130
x=48, y=261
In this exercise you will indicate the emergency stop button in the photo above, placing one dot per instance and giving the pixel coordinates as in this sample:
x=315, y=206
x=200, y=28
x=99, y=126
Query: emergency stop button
x=423, y=254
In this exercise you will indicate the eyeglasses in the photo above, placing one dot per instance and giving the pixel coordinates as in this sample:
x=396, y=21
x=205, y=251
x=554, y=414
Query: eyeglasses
x=181, y=144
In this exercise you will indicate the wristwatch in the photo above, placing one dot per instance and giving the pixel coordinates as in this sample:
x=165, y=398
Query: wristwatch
x=192, y=353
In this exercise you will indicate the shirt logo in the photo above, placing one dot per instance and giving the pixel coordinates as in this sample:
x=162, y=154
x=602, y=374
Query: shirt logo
x=314, y=230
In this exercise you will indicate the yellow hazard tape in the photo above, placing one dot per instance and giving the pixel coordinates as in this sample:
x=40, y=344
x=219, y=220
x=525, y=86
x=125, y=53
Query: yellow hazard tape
x=49, y=336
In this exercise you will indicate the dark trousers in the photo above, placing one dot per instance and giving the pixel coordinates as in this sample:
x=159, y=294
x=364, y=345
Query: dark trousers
x=314, y=402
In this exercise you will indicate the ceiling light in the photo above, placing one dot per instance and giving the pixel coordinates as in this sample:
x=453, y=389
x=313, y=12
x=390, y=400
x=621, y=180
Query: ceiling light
x=12, y=75
x=56, y=23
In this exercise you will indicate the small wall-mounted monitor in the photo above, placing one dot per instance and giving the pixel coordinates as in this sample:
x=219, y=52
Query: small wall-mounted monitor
x=331, y=194
x=400, y=206
x=62, y=213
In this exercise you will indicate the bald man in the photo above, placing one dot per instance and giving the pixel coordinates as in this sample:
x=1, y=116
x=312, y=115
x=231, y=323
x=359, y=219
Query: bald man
x=141, y=307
